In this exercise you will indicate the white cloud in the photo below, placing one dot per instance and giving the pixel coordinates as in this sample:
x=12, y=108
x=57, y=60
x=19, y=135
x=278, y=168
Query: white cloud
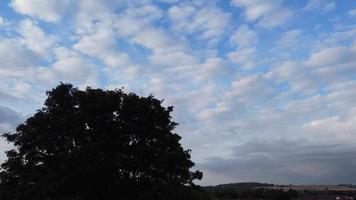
x=207, y=21
x=340, y=96
x=128, y=26
x=69, y=66
x=34, y=38
x=238, y=99
x=256, y=9
x=91, y=12
x=324, y=5
x=176, y=59
x=14, y=55
x=100, y=33
x=323, y=68
x=290, y=38
x=276, y=18
x=157, y=40
x=50, y=11
x=146, y=13
x=181, y=91
x=165, y=49
x=246, y=89
x=244, y=36
x=332, y=56
x=268, y=13
x=212, y=68
x=244, y=57
x=101, y=43
x=338, y=128
x=297, y=76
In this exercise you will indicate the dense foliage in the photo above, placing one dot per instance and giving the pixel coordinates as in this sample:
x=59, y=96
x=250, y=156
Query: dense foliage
x=98, y=144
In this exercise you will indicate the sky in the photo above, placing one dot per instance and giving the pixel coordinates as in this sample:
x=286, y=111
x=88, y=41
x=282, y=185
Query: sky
x=263, y=90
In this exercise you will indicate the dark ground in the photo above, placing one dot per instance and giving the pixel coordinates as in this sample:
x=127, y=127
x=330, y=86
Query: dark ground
x=252, y=191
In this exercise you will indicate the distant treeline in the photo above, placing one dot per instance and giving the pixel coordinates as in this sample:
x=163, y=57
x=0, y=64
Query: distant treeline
x=251, y=191
x=229, y=194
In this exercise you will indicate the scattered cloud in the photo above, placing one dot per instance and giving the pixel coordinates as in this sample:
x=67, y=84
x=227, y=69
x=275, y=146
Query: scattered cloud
x=71, y=67
x=244, y=57
x=290, y=38
x=269, y=13
x=332, y=56
x=297, y=75
x=207, y=21
x=277, y=18
x=244, y=36
x=101, y=43
x=50, y=11
x=340, y=128
x=35, y=39
x=324, y=5
x=13, y=55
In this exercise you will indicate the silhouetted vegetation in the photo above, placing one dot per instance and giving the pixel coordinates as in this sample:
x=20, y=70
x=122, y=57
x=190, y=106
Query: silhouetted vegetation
x=98, y=144
x=254, y=191
x=255, y=194
x=248, y=191
x=327, y=194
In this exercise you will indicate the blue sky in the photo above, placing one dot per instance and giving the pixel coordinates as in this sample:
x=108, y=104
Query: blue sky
x=263, y=90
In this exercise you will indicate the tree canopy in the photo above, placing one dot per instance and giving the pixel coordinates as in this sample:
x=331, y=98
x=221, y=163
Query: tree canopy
x=97, y=144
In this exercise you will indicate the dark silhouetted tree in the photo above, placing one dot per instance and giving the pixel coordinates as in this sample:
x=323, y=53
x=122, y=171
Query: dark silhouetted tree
x=97, y=144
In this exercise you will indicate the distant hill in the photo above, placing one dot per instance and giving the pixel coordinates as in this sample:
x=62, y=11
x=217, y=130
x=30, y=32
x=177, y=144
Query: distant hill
x=241, y=186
